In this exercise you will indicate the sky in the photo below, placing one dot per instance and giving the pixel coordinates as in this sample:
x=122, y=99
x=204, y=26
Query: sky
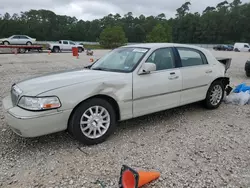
x=95, y=9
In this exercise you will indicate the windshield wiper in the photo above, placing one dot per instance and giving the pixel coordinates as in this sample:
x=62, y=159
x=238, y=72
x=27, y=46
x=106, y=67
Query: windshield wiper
x=99, y=68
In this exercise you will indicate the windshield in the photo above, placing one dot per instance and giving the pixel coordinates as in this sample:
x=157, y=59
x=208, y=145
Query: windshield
x=122, y=59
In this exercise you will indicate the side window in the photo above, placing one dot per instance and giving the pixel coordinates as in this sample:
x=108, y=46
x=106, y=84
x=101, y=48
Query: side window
x=23, y=37
x=163, y=59
x=191, y=57
x=65, y=42
x=72, y=43
x=15, y=37
x=246, y=46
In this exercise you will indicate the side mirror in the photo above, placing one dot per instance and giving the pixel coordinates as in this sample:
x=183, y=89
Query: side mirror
x=147, y=68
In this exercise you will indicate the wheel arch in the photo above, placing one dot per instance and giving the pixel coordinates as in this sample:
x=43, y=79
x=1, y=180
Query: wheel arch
x=225, y=81
x=5, y=41
x=56, y=47
x=109, y=99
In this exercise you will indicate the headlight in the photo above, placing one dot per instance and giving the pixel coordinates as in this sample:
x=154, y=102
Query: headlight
x=39, y=103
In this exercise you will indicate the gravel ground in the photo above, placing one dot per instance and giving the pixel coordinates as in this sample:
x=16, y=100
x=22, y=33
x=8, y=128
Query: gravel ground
x=189, y=146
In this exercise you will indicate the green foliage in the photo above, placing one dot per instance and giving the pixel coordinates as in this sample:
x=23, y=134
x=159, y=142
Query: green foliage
x=93, y=47
x=159, y=34
x=112, y=37
x=223, y=23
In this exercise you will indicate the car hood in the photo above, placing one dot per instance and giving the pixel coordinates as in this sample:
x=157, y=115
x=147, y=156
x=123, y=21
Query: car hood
x=38, y=85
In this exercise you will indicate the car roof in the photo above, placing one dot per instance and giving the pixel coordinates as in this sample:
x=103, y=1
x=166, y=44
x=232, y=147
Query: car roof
x=162, y=45
x=20, y=35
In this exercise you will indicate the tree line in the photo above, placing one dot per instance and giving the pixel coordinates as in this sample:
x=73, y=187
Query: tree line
x=225, y=23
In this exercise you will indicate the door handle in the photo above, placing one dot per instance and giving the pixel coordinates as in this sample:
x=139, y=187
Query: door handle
x=209, y=71
x=173, y=76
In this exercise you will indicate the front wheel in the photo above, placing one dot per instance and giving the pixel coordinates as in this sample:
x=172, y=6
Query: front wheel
x=215, y=95
x=93, y=121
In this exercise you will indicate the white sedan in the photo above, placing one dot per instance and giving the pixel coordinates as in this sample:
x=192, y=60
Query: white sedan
x=18, y=40
x=128, y=82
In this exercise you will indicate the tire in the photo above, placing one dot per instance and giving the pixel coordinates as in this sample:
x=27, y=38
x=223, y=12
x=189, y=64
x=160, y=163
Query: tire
x=29, y=43
x=56, y=49
x=80, y=50
x=75, y=129
x=6, y=43
x=22, y=50
x=215, y=85
x=248, y=74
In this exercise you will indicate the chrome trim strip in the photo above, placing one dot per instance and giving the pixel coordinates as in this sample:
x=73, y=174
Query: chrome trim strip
x=194, y=87
x=156, y=95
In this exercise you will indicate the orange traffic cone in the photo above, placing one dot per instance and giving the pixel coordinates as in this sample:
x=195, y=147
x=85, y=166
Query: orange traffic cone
x=91, y=60
x=132, y=179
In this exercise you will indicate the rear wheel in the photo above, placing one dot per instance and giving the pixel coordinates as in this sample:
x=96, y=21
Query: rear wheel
x=215, y=95
x=93, y=121
x=29, y=43
x=22, y=50
x=6, y=43
x=248, y=74
x=56, y=49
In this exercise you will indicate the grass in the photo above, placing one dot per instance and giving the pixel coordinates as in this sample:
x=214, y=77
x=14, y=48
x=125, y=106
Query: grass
x=93, y=47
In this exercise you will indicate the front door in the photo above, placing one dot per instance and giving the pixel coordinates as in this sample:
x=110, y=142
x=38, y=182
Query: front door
x=15, y=39
x=246, y=48
x=196, y=73
x=160, y=89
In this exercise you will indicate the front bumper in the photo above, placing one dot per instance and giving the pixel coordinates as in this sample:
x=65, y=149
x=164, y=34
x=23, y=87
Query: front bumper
x=33, y=124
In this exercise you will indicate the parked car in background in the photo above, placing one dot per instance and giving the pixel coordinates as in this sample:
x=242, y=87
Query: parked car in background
x=223, y=47
x=89, y=102
x=219, y=47
x=247, y=68
x=18, y=40
x=241, y=47
x=230, y=48
x=64, y=45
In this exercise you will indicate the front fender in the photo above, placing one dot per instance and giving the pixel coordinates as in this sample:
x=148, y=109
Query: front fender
x=119, y=89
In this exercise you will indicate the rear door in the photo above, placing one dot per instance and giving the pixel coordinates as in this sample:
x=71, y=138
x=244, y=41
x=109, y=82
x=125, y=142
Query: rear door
x=23, y=40
x=196, y=73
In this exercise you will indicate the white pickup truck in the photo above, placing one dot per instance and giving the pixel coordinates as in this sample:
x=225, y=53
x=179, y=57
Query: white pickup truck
x=64, y=45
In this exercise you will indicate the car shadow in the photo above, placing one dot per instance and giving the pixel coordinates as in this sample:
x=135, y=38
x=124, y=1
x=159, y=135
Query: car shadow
x=62, y=140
